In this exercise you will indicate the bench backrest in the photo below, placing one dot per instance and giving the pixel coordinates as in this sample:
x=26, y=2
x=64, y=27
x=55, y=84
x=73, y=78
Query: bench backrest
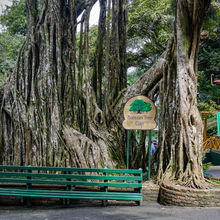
x=71, y=176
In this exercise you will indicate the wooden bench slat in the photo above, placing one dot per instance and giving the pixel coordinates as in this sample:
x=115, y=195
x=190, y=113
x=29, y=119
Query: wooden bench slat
x=46, y=191
x=87, y=196
x=70, y=176
x=72, y=183
x=104, y=170
x=72, y=194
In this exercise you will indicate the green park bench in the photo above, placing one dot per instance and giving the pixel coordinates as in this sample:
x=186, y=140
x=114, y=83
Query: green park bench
x=71, y=183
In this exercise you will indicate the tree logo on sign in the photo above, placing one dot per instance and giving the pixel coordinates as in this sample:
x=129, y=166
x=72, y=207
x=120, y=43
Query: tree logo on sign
x=140, y=105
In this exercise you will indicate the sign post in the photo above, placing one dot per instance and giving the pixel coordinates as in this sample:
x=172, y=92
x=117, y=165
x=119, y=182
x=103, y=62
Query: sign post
x=128, y=149
x=218, y=123
x=139, y=114
x=149, y=155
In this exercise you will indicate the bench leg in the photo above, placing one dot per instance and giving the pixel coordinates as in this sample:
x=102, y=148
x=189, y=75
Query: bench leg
x=26, y=201
x=104, y=203
x=66, y=201
x=22, y=200
x=139, y=203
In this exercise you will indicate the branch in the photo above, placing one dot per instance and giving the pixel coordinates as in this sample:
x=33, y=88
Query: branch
x=145, y=84
x=82, y=5
x=150, y=79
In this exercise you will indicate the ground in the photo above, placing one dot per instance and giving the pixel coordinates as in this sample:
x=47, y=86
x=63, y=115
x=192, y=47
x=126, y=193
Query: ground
x=214, y=171
x=115, y=211
x=92, y=210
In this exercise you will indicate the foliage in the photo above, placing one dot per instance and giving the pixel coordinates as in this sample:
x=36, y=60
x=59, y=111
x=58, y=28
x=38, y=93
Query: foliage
x=14, y=18
x=207, y=93
x=209, y=56
x=212, y=20
x=12, y=37
x=206, y=166
x=212, y=131
x=9, y=48
x=214, y=181
x=133, y=74
x=149, y=28
x=210, y=105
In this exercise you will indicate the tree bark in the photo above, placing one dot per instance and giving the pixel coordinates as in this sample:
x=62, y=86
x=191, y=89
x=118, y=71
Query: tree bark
x=98, y=59
x=41, y=96
x=180, y=121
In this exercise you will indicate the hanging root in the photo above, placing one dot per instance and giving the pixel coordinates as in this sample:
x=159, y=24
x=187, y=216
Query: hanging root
x=86, y=152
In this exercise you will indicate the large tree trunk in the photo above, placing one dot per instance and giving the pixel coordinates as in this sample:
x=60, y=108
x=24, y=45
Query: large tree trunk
x=52, y=113
x=44, y=94
x=180, y=121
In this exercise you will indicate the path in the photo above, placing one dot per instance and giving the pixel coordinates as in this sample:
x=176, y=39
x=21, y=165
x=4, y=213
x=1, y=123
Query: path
x=93, y=211
x=214, y=171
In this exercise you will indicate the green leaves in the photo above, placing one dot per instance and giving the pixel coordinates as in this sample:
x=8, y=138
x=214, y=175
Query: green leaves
x=208, y=106
x=209, y=67
x=14, y=18
x=149, y=28
x=212, y=20
x=12, y=37
x=9, y=48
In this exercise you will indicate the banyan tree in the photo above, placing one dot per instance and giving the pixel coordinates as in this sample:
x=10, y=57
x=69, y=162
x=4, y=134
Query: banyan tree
x=63, y=103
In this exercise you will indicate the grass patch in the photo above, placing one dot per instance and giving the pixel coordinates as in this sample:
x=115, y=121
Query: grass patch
x=215, y=181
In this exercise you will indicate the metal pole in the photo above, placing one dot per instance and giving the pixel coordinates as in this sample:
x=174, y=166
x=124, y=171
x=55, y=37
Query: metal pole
x=127, y=149
x=218, y=123
x=205, y=129
x=149, y=156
